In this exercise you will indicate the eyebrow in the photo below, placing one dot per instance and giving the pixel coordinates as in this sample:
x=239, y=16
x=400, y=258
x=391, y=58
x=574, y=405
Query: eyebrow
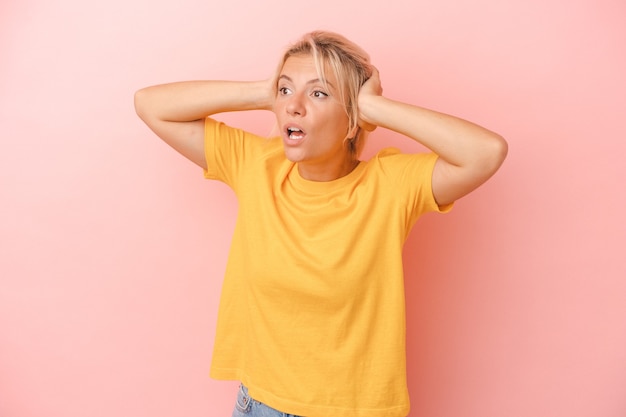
x=313, y=81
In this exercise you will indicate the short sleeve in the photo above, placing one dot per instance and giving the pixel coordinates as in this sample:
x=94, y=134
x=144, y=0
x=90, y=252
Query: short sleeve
x=410, y=176
x=229, y=152
x=223, y=147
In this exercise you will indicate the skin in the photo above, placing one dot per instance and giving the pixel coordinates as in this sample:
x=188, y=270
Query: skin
x=468, y=154
x=304, y=102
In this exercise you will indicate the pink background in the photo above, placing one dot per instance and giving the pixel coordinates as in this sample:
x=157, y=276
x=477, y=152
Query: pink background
x=113, y=247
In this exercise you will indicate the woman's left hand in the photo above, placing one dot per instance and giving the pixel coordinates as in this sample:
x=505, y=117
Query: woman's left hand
x=371, y=88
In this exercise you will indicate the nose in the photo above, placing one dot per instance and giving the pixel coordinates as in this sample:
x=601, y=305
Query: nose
x=295, y=105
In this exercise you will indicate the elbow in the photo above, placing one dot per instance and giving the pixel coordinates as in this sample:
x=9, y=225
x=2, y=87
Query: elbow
x=501, y=149
x=496, y=154
x=140, y=101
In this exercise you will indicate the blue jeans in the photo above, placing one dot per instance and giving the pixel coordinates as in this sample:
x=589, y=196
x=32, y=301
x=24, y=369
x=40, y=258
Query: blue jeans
x=246, y=406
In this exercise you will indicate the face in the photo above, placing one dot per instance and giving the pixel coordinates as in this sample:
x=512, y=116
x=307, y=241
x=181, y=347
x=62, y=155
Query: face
x=312, y=120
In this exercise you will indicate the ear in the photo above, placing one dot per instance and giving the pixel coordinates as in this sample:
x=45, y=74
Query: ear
x=353, y=132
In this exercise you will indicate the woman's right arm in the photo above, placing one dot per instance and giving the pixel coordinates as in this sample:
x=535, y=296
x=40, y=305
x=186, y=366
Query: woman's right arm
x=176, y=111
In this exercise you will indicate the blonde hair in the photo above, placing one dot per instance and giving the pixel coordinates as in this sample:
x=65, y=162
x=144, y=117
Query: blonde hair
x=351, y=67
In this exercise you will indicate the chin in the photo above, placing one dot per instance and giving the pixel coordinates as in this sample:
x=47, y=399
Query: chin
x=294, y=156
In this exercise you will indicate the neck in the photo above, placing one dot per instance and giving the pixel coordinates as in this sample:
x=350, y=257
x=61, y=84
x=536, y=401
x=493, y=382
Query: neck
x=318, y=173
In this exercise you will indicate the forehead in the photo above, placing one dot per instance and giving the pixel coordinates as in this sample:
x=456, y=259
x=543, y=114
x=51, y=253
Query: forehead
x=303, y=68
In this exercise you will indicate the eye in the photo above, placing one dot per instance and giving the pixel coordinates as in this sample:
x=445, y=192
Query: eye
x=319, y=94
x=283, y=91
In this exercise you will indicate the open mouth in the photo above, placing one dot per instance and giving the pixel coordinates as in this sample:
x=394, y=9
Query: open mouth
x=295, y=133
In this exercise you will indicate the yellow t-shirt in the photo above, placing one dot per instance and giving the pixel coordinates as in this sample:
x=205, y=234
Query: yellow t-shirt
x=311, y=317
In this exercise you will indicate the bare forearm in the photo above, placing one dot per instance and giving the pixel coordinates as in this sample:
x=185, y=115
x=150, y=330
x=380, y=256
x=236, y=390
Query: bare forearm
x=193, y=100
x=455, y=140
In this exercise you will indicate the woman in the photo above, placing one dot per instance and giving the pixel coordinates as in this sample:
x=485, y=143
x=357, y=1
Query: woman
x=311, y=318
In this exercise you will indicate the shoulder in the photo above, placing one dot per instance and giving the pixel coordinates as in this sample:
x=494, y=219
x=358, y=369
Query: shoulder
x=406, y=178
x=392, y=161
x=244, y=143
x=231, y=151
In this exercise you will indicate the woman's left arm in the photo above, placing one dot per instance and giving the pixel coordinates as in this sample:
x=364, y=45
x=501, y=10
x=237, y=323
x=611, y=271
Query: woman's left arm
x=468, y=154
